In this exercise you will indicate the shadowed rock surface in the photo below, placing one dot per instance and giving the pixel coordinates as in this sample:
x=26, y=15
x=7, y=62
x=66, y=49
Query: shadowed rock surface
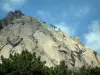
x=19, y=32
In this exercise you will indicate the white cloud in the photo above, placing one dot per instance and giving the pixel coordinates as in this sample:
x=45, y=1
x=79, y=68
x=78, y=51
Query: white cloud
x=79, y=11
x=64, y=14
x=9, y=5
x=82, y=12
x=45, y=15
x=66, y=28
x=17, y=1
x=92, y=38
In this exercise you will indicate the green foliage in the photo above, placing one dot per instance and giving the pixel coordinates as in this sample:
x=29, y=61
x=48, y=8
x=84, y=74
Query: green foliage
x=22, y=64
x=89, y=71
x=44, y=22
x=60, y=69
x=95, y=53
x=27, y=63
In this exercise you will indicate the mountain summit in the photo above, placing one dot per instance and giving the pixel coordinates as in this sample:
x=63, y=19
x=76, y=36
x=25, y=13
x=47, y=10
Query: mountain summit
x=21, y=32
x=10, y=17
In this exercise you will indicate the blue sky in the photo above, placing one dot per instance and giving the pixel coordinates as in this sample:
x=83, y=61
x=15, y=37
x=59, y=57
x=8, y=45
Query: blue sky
x=78, y=18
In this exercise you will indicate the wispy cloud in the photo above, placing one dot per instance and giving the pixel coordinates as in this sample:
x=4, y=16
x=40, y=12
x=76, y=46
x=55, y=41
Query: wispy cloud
x=80, y=11
x=9, y=5
x=44, y=15
x=64, y=14
x=17, y=2
x=66, y=28
x=92, y=38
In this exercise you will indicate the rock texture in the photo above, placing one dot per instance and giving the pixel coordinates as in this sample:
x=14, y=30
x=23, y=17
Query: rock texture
x=24, y=32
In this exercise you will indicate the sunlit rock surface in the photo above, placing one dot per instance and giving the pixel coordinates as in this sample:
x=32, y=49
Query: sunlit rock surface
x=24, y=32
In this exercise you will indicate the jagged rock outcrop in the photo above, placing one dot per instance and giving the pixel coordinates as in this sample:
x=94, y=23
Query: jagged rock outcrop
x=25, y=32
x=10, y=16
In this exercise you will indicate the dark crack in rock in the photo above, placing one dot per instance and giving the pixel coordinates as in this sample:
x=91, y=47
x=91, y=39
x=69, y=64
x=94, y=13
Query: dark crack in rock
x=62, y=51
x=15, y=43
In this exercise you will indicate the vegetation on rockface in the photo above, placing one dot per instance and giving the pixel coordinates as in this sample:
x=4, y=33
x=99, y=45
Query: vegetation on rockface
x=27, y=63
x=95, y=53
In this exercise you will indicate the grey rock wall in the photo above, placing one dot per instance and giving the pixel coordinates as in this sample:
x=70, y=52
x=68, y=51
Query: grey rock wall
x=53, y=46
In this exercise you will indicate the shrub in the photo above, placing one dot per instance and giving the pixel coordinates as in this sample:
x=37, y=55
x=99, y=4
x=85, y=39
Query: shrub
x=22, y=64
x=27, y=63
x=95, y=53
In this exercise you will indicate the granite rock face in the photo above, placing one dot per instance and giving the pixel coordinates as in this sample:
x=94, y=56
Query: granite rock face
x=24, y=32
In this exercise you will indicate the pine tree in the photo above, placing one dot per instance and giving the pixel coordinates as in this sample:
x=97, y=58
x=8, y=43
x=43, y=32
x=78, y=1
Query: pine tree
x=22, y=64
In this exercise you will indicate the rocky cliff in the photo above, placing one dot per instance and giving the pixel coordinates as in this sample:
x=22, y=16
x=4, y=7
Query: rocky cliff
x=20, y=32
